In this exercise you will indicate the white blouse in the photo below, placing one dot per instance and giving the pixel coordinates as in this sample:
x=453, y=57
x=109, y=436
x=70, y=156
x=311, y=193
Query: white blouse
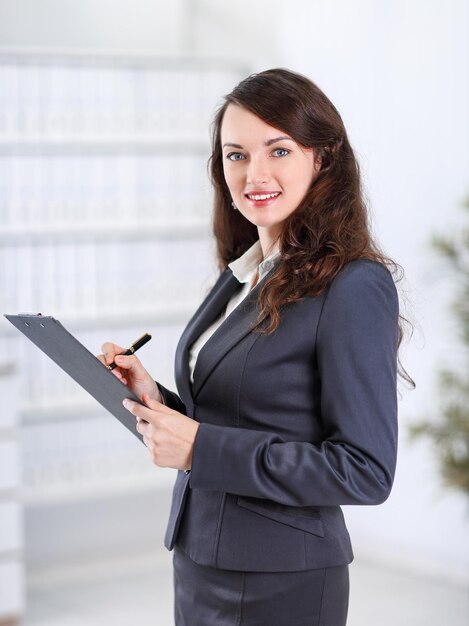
x=245, y=269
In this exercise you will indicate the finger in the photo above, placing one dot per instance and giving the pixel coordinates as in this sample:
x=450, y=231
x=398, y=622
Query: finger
x=107, y=360
x=119, y=375
x=112, y=347
x=110, y=350
x=146, y=431
x=138, y=410
x=129, y=363
x=151, y=403
x=139, y=426
x=102, y=359
x=148, y=443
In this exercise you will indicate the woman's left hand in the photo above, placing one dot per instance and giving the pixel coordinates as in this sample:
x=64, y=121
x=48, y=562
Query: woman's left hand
x=168, y=435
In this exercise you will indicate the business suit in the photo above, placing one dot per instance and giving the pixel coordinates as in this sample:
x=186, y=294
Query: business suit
x=292, y=425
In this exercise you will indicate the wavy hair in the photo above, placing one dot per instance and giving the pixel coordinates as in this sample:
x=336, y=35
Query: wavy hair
x=330, y=226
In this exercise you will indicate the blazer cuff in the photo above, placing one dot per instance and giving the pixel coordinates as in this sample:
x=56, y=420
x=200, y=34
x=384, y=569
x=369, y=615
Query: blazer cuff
x=222, y=459
x=171, y=399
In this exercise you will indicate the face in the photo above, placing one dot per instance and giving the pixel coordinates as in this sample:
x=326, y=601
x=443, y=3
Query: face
x=267, y=172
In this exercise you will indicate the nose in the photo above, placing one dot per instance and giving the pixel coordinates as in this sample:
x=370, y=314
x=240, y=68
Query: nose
x=258, y=171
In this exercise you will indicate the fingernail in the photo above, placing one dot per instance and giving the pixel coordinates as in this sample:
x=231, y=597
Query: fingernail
x=119, y=359
x=126, y=403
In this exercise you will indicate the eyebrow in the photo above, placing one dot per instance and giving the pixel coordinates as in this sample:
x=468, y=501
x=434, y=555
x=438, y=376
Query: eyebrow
x=267, y=143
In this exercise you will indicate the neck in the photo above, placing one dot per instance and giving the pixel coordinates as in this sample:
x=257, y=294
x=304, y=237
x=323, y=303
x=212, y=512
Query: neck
x=269, y=241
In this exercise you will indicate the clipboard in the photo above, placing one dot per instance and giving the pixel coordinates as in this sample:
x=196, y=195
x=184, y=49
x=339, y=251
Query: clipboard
x=63, y=348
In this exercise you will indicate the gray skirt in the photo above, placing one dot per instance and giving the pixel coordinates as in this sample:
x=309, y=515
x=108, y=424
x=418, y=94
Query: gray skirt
x=205, y=596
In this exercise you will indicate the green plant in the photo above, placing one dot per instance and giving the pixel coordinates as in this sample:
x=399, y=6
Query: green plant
x=449, y=431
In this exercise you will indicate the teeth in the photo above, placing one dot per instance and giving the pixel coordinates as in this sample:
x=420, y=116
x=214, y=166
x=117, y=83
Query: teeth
x=263, y=196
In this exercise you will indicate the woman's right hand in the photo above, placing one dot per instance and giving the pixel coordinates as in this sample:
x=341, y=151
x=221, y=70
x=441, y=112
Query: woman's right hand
x=130, y=371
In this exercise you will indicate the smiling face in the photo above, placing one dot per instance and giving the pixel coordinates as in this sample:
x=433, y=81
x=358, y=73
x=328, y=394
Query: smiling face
x=266, y=171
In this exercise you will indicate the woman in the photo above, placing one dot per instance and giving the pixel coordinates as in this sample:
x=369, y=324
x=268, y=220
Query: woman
x=286, y=373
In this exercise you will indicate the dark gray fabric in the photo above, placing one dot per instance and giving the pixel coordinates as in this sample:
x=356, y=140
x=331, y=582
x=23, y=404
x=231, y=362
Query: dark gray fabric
x=206, y=596
x=293, y=425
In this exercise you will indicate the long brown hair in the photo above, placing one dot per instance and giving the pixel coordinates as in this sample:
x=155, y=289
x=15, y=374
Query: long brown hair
x=329, y=228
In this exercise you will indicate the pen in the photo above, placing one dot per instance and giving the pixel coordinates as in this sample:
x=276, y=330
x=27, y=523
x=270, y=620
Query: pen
x=133, y=348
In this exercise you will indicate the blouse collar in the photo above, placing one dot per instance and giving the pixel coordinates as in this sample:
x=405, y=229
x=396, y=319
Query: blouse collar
x=248, y=264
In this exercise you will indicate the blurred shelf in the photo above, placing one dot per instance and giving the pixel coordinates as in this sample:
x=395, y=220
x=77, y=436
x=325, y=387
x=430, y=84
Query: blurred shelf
x=9, y=433
x=94, y=144
x=70, y=491
x=61, y=410
x=195, y=228
x=64, y=410
x=115, y=318
x=121, y=58
x=123, y=108
x=9, y=495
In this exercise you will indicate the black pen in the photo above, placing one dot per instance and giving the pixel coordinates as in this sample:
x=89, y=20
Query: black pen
x=133, y=348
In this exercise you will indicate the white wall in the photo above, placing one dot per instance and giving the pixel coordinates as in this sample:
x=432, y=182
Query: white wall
x=243, y=29
x=399, y=74
x=97, y=24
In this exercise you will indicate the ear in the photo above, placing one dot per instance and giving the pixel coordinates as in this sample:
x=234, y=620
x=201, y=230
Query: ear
x=317, y=162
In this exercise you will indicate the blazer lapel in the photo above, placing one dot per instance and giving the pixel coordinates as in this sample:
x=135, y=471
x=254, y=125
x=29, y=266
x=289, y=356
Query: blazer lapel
x=205, y=315
x=236, y=326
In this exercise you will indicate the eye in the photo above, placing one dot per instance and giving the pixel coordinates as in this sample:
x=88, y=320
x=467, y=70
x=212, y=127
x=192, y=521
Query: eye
x=280, y=152
x=235, y=156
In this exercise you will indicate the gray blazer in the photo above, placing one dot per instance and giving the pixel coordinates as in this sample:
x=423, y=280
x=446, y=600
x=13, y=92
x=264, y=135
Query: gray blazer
x=292, y=424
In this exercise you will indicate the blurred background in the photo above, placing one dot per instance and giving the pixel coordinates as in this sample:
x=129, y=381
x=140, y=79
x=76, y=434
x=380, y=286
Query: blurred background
x=105, y=210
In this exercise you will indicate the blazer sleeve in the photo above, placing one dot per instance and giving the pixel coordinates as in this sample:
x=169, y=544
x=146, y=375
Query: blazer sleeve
x=171, y=399
x=357, y=339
